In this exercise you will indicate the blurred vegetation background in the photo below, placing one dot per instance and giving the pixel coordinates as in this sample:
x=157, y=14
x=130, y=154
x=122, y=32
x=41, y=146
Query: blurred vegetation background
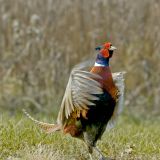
x=41, y=40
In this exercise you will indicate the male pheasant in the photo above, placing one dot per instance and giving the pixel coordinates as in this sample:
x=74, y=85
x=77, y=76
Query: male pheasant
x=89, y=102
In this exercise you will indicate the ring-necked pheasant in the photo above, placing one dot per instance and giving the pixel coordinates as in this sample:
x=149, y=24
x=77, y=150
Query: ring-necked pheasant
x=89, y=102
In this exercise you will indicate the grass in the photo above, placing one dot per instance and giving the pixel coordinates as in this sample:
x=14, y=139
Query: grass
x=132, y=138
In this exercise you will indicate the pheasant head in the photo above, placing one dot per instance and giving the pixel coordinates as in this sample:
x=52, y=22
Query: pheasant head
x=105, y=53
x=106, y=50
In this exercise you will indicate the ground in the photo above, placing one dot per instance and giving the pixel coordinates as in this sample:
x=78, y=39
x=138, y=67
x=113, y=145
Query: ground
x=133, y=138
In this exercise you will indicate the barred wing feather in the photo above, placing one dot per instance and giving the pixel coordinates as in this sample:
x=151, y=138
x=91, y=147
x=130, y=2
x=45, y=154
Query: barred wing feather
x=80, y=93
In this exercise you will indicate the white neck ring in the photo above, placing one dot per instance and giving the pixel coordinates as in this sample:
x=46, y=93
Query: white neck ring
x=100, y=65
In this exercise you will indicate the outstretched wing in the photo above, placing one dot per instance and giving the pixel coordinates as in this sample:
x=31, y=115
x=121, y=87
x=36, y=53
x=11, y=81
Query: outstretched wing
x=80, y=93
x=118, y=79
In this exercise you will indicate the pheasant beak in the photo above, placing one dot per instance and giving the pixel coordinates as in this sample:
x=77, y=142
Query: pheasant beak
x=112, y=48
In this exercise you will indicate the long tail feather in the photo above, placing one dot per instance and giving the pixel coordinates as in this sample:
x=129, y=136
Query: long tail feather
x=46, y=127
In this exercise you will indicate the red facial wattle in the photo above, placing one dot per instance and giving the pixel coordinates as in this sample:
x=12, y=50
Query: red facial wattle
x=107, y=45
x=106, y=49
x=104, y=52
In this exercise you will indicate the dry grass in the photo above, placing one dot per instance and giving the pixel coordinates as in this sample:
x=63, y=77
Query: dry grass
x=41, y=40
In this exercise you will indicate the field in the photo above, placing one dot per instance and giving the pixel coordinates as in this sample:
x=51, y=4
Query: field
x=41, y=41
x=133, y=138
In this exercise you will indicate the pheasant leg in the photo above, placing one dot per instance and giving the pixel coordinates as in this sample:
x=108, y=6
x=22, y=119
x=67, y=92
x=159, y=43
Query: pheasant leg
x=90, y=156
x=100, y=153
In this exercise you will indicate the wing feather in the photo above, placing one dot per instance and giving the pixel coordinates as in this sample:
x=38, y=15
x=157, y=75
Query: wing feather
x=118, y=79
x=81, y=91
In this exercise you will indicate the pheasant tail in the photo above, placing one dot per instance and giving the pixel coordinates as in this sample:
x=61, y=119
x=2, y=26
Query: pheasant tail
x=46, y=127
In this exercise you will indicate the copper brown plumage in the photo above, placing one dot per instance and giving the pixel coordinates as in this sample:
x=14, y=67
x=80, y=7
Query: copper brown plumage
x=89, y=101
